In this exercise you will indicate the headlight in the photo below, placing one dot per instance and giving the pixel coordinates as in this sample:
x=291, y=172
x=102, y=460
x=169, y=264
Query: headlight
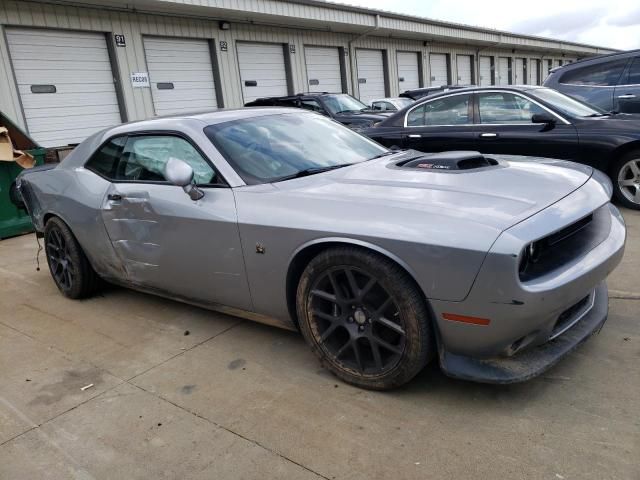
x=530, y=255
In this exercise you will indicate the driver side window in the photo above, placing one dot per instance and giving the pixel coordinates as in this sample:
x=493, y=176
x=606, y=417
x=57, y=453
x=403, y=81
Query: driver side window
x=143, y=159
x=503, y=107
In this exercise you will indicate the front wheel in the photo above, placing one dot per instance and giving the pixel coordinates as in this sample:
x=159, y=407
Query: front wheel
x=626, y=180
x=364, y=317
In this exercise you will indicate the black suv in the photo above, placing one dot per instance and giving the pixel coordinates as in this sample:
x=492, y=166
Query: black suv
x=341, y=107
x=611, y=82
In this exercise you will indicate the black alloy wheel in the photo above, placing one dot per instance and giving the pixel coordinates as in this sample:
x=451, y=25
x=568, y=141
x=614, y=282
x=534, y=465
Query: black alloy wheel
x=69, y=267
x=364, y=317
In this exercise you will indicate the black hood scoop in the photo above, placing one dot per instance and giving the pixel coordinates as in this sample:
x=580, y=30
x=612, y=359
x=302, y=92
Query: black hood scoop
x=461, y=160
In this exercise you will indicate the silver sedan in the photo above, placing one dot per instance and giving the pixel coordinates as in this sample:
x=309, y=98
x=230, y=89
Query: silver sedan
x=383, y=259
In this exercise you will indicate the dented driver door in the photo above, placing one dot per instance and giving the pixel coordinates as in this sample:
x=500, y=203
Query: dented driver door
x=168, y=242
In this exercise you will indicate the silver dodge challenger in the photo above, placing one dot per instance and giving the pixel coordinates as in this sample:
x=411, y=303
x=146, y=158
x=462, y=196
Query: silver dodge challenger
x=383, y=259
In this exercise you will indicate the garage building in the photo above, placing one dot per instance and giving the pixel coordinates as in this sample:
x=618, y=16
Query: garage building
x=70, y=69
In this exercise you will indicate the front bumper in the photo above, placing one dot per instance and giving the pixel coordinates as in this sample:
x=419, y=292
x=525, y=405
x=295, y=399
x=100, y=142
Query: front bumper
x=532, y=362
x=540, y=319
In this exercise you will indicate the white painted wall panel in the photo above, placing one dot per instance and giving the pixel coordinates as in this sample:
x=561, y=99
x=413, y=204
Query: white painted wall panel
x=323, y=69
x=519, y=77
x=408, y=71
x=534, y=68
x=264, y=64
x=503, y=71
x=463, y=64
x=184, y=64
x=438, y=69
x=485, y=71
x=370, y=67
x=77, y=64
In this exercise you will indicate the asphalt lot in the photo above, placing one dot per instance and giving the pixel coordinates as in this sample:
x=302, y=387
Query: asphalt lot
x=235, y=399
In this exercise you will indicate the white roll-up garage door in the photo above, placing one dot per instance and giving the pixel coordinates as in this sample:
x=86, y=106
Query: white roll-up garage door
x=323, y=69
x=65, y=84
x=370, y=75
x=463, y=62
x=181, y=75
x=438, y=69
x=503, y=71
x=408, y=71
x=534, y=68
x=485, y=71
x=519, y=73
x=547, y=65
x=262, y=70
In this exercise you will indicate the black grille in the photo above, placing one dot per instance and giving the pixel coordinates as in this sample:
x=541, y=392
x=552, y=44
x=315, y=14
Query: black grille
x=565, y=245
x=568, y=316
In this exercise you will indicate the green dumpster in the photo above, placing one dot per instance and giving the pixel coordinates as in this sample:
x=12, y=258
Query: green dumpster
x=14, y=221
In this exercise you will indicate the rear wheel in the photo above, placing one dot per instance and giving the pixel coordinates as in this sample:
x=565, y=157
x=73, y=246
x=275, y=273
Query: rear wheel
x=626, y=180
x=69, y=267
x=364, y=317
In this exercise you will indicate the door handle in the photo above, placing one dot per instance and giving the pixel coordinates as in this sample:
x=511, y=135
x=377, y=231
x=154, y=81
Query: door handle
x=414, y=135
x=114, y=197
x=488, y=135
x=626, y=96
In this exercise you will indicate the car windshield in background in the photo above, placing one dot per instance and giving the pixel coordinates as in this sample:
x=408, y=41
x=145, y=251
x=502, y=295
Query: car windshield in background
x=403, y=102
x=565, y=104
x=343, y=104
x=274, y=147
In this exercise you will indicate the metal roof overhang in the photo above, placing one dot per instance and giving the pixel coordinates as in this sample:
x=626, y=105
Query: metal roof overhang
x=331, y=17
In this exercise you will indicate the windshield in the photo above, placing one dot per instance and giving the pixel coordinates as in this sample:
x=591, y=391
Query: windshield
x=565, y=104
x=343, y=104
x=403, y=102
x=268, y=148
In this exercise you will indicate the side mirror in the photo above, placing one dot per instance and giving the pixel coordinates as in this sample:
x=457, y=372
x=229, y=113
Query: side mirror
x=180, y=174
x=543, y=118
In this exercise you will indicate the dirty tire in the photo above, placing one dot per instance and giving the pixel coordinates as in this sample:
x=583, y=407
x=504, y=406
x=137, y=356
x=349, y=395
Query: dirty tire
x=69, y=267
x=625, y=176
x=364, y=317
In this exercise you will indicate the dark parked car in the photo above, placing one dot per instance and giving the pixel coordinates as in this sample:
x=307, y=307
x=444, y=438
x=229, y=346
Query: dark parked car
x=341, y=107
x=524, y=120
x=419, y=93
x=611, y=82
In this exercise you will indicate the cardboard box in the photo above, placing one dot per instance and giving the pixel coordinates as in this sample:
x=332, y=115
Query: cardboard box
x=8, y=154
x=6, y=146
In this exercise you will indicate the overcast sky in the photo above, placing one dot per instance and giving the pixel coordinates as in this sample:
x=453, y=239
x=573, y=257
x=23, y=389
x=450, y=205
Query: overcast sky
x=606, y=23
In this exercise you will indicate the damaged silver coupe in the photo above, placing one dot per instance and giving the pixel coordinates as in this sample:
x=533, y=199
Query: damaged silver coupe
x=383, y=259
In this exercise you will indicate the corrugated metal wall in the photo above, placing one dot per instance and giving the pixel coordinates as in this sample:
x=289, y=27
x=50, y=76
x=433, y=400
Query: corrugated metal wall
x=138, y=102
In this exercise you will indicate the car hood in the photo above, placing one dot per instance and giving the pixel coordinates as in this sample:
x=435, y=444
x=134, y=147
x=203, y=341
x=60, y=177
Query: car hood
x=497, y=196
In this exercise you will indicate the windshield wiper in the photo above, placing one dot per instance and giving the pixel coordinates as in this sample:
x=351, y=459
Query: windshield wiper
x=592, y=115
x=310, y=171
x=385, y=154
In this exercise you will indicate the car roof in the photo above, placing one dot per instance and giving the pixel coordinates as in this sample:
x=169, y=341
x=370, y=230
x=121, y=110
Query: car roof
x=513, y=88
x=605, y=56
x=298, y=95
x=211, y=117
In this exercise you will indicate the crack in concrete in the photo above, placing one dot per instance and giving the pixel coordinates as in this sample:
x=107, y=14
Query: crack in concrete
x=226, y=429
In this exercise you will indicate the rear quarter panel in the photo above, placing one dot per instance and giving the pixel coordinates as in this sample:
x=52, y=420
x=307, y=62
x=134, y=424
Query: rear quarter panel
x=75, y=195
